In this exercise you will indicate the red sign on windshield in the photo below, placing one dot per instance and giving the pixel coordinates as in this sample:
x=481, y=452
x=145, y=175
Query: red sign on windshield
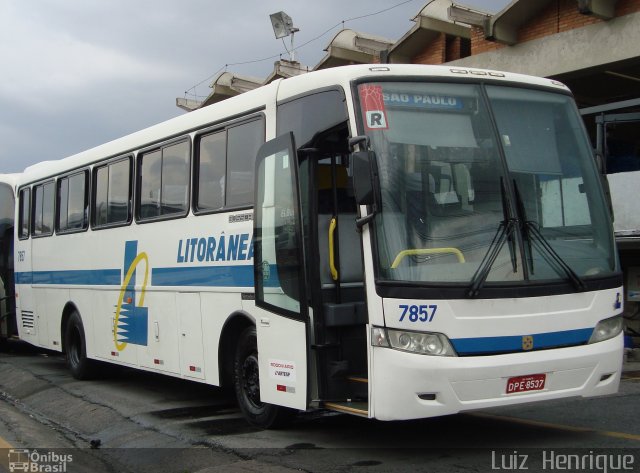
x=373, y=110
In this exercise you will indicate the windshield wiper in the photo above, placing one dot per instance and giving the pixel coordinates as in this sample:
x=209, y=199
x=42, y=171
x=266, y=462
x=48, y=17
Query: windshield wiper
x=505, y=231
x=529, y=229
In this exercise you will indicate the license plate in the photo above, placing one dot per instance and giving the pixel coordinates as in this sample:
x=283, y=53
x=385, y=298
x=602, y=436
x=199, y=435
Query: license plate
x=520, y=384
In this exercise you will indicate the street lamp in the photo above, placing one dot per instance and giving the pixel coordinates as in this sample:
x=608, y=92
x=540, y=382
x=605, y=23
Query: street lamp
x=283, y=27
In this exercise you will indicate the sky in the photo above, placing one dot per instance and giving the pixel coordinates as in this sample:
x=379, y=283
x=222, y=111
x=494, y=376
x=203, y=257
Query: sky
x=76, y=74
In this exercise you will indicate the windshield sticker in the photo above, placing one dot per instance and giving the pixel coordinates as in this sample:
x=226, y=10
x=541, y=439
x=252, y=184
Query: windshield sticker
x=425, y=101
x=373, y=107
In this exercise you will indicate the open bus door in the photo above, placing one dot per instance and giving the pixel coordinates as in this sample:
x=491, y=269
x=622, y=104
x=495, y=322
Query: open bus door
x=8, y=326
x=279, y=277
x=301, y=223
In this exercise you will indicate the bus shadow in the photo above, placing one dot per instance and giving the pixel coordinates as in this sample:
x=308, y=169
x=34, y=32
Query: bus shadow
x=454, y=431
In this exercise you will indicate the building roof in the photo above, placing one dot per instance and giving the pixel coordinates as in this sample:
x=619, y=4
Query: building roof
x=225, y=85
x=352, y=47
x=284, y=69
x=430, y=23
x=503, y=27
x=228, y=84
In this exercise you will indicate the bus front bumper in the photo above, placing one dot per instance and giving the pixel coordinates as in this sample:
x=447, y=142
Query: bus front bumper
x=411, y=386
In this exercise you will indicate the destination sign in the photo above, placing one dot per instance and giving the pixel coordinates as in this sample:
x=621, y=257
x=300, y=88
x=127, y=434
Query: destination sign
x=429, y=101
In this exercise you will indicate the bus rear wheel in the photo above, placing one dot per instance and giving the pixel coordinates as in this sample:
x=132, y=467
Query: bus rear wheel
x=76, y=348
x=247, y=386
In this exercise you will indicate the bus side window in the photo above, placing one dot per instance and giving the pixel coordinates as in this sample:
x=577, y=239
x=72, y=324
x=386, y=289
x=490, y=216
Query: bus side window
x=43, y=209
x=72, y=202
x=243, y=142
x=112, y=193
x=306, y=116
x=25, y=214
x=175, y=178
x=164, y=181
x=101, y=188
x=149, y=187
x=224, y=166
x=211, y=168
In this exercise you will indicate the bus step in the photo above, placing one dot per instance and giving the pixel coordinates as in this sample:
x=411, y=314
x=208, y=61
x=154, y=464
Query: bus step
x=354, y=378
x=355, y=408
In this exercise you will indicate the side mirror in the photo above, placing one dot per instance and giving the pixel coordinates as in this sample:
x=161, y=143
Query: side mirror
x=363, y=163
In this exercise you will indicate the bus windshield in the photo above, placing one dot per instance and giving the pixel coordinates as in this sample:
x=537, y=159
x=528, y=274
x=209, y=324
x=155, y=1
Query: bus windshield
x=483, y=184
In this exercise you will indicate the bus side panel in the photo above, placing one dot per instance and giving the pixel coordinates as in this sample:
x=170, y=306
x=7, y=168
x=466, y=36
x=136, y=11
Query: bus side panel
x=282, y=348
x=216, y=309
x=190, y=335
x=162, y=350
x=49, y=305
x=104, y=344
x=27, y=329
x=111, y=302
x=46, y=263
x=40, y=314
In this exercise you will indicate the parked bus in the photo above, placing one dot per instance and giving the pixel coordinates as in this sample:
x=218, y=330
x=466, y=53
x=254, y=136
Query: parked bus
x=390, y=241
x=615, y=132
x=8, y=326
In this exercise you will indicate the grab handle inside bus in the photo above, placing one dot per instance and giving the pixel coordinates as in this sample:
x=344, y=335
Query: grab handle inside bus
x=332, y=254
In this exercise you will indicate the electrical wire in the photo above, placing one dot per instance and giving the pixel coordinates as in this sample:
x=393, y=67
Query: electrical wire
x=254, y=61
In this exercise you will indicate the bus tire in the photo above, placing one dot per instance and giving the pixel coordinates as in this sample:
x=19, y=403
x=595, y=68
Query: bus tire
x=247, y=386
x=76, y=348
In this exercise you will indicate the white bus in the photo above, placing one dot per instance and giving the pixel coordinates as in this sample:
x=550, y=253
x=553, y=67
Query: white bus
x=390, y=241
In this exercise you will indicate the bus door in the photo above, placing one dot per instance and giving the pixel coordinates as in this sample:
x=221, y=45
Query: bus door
x=26, y=319
x=7, y=303
x=319, y=121
x=336, y=275
x=279, y=276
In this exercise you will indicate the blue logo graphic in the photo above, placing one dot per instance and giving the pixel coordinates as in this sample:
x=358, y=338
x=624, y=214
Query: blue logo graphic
x=132, y=318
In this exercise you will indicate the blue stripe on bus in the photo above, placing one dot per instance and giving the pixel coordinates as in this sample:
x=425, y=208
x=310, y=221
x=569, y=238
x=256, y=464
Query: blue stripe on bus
x=205, y=276
x=470, y=346
x=79, y=277
x=209, y=276
x=216, y=276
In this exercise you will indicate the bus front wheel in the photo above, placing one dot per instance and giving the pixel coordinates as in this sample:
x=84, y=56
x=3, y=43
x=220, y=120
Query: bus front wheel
x=76, y=348
x=247, y=386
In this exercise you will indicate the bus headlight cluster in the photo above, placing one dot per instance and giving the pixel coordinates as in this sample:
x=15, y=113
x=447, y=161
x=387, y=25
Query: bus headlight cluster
x=606, y=329
x=424, y=343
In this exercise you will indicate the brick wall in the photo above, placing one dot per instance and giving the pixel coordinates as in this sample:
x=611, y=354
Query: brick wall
x=443, y=49
x=556, y=17
x=625, y=7
x=479, y=44
x=434, y=52
x=456, y=48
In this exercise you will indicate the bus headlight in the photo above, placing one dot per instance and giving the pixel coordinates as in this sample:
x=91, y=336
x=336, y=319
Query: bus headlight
x=606, y=329
x=423, y=343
